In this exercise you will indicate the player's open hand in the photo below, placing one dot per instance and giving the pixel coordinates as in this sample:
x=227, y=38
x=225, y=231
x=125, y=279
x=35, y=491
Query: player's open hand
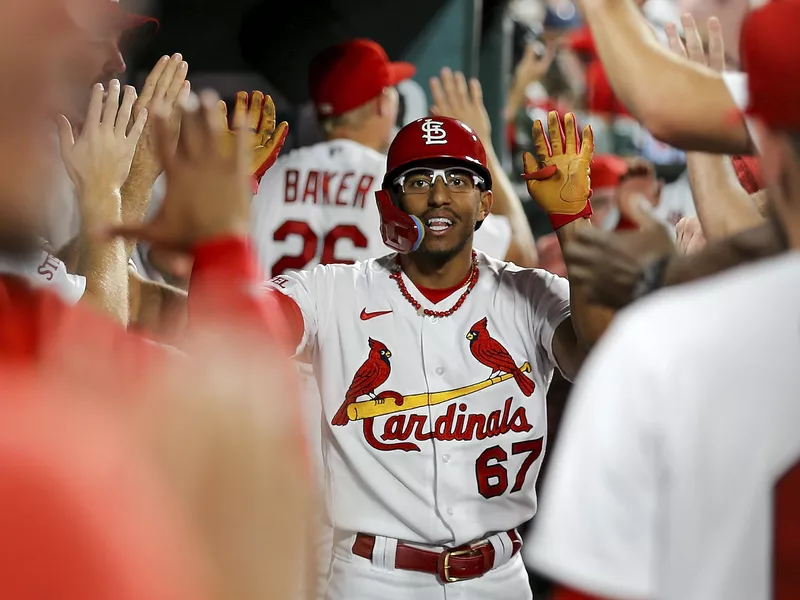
x=693, y=48
x=208, y=181
x=558, y=176
x=165, y=91
x=453, y=97
x=610, y=264
x=264, y=138
x=99, y=161
x=689, y=236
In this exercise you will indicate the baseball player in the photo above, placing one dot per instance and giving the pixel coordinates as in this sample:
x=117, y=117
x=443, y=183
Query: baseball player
x=315, y=206
x=433, y=366
x=678, y=472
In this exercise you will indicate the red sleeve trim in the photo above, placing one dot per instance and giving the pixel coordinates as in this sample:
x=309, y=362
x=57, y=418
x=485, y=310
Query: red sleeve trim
x=229, y=254
x=562, y=593
x=225, y=288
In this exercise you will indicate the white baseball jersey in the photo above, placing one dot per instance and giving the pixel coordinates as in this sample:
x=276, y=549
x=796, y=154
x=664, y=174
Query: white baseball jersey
x=736, y=83
x=440, y=444
x=676, y=474
x=43, y=270
x=316, y=205
x=676, y=201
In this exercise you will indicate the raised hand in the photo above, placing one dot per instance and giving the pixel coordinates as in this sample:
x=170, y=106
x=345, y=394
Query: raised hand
x=689, y=236
x=164, y=91
x=531, y=66
x=263, y=138
x=99, y=161
x=693, y=48
x=454, y=97
x=611, y=265
x=208, y=191
x=558, y=176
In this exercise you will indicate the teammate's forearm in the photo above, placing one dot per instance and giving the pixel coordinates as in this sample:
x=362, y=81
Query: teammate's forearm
x=507, y=203
x=680, y=102
x=747, y=246
x=104, y=263
x=157, y=309
x=136, y=194
x=723, y=206
x=516, y=99
x=589, y=320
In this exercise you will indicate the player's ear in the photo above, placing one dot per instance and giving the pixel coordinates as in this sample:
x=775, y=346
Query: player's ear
x=383, y=102
x=485, y=206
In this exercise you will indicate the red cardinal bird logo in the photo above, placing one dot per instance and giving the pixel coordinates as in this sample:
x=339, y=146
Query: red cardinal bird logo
x=372, y=374
x=491, y=353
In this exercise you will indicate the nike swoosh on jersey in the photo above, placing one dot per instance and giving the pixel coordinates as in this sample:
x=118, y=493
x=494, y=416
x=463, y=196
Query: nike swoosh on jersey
x=366, y=316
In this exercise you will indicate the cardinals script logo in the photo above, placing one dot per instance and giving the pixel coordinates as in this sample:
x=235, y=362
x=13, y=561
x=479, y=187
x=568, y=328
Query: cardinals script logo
x=456, y=423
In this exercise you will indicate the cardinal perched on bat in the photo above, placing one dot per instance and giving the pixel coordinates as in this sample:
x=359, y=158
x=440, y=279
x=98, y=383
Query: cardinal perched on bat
x=372, y=374
x=491, y=353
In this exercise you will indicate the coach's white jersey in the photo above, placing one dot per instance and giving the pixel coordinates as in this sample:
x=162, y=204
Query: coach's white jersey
x=437, y=447
x=676, y=475
x=317, y=205
x=43, y=270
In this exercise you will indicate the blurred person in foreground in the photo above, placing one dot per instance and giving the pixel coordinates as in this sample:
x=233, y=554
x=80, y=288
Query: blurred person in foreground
x=70, y=357
x=653, y=438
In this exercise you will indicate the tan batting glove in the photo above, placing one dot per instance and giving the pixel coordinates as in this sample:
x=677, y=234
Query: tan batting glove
x=264, y=138
x=558, y=178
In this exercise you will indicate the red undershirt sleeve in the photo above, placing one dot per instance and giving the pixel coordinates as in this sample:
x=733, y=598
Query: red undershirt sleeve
x=226, y=287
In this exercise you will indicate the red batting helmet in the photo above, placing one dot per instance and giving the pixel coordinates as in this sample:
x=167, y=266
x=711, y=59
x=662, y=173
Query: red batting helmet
x=440, y=139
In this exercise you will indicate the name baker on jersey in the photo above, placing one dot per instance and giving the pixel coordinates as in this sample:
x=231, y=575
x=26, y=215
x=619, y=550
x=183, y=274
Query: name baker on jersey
x=328, y=188
x=448, y=427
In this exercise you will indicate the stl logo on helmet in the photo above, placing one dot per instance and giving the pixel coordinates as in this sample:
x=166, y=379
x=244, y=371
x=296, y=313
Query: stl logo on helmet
x=433, y=132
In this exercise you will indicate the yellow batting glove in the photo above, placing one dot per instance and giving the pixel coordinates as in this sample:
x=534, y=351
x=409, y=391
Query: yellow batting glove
x=558, y=176
x=264, y=138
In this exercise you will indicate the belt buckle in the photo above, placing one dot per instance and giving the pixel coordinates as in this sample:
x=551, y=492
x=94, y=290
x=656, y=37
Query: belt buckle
x=444, y=564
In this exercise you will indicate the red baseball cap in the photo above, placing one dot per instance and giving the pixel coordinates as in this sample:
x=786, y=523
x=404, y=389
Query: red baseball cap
x=770, y=52
x=347, y=75
x=125, y=20
x=606, y=171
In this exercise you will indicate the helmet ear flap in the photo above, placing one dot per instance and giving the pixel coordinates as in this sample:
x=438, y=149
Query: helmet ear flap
x=400, y=231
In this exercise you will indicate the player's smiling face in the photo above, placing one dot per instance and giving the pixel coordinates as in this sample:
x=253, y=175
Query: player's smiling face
x=449, y=200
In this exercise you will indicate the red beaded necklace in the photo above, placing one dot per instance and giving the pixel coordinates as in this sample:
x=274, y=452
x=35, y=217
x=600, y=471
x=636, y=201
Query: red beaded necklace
x=471, y=281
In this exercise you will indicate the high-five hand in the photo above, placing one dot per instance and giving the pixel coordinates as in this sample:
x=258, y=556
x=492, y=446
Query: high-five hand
x=263, y=137
x=100, y=159
x=454, y=97
x=164, y=91
x=208, y=193
x=558, y=176
x=693, y=48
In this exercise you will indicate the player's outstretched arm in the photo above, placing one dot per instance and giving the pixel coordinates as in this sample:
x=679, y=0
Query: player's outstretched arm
x=679, y=102
x=723, y=206
x=164, y=90
x=98, y=162
x=206, y=212
x=558, y=180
